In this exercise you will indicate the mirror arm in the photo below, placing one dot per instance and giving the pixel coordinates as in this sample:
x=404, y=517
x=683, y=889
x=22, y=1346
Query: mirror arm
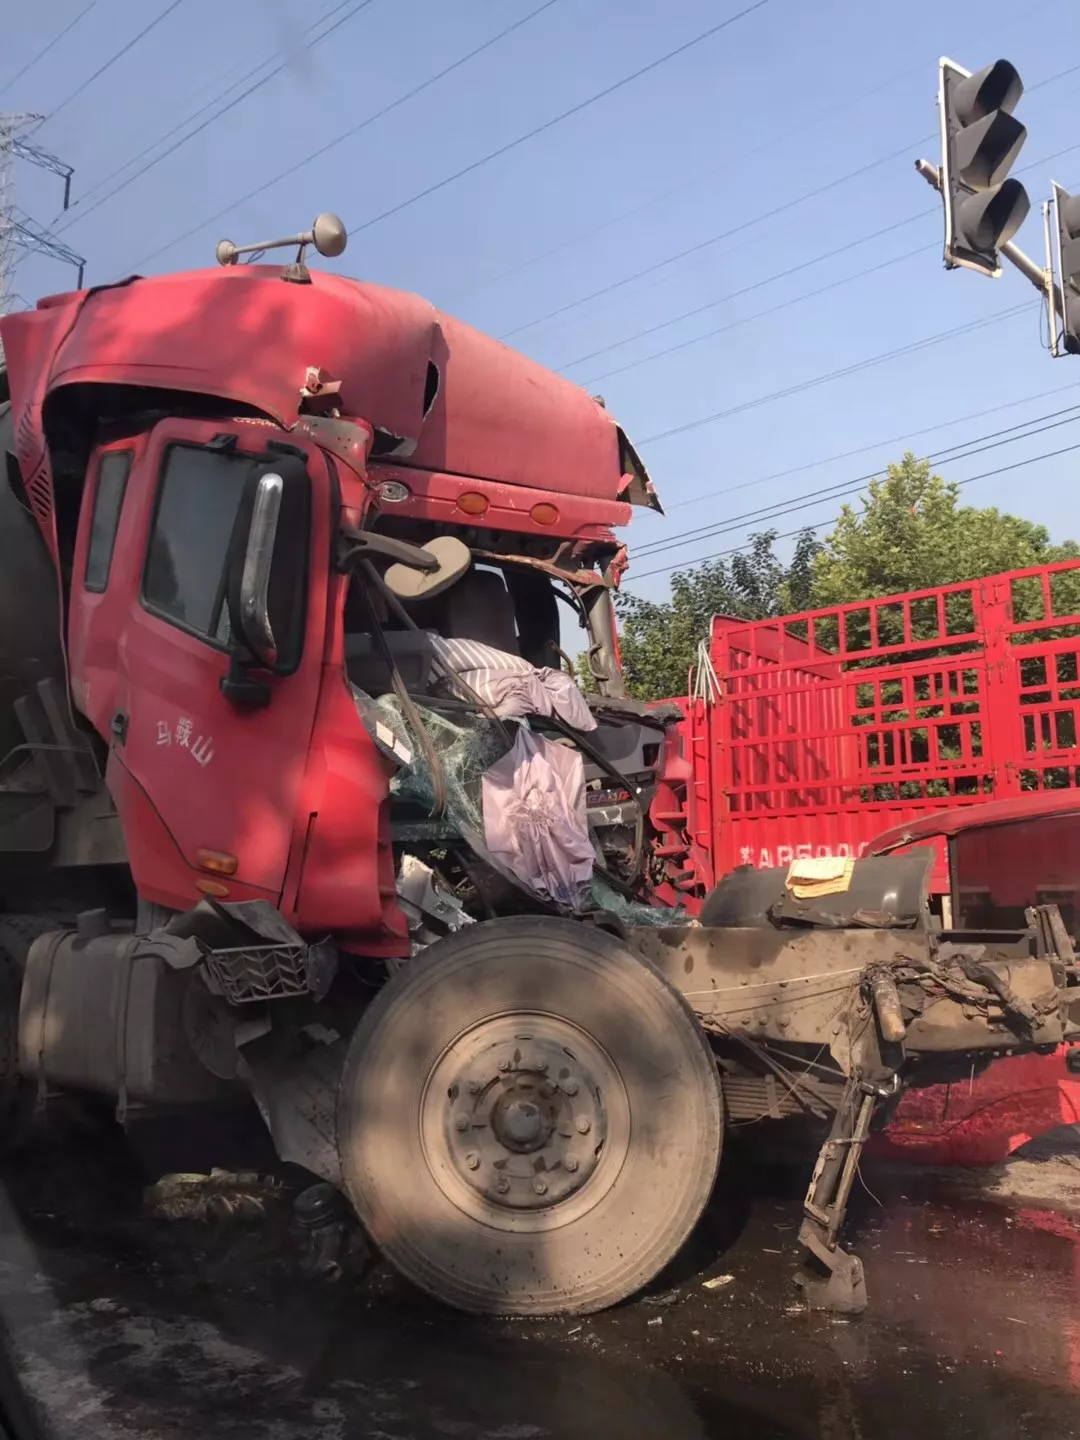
x=258, y=559
x=364, y=543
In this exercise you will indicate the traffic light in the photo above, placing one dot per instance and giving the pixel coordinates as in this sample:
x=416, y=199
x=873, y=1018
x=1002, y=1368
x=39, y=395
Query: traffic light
x=980, y=139
x=1066, y=265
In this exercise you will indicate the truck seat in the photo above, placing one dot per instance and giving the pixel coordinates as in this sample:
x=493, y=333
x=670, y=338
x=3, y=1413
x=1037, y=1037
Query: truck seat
x=479, y=608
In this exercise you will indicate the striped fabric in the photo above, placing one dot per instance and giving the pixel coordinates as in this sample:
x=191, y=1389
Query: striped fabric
x=511, y=686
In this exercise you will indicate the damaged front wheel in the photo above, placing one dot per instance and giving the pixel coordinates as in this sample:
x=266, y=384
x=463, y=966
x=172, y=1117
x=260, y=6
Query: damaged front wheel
x=529, y=1119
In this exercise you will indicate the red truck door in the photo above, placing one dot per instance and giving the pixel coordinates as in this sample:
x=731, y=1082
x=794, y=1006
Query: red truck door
x=189, y=770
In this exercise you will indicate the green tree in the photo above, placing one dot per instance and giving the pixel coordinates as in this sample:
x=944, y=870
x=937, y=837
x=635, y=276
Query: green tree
x=911, y=532
x=658, y=640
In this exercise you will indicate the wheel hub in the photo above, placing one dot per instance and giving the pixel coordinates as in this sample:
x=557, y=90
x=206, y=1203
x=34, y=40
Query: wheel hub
x=515, y=1117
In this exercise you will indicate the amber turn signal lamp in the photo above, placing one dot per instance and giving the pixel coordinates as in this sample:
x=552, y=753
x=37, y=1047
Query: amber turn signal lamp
x=216, y=861
x=213, y=888
x=473, y=503
x=544, y=514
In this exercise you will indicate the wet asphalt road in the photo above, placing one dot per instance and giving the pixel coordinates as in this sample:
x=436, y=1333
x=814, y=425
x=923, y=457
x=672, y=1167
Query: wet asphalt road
x=125, y=1326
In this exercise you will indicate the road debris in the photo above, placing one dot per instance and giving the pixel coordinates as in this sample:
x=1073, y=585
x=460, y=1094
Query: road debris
x=219, y=1195
x=716, y=1282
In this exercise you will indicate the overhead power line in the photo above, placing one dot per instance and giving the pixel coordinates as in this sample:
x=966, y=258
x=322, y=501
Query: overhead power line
x=863, y=449
x=558, y=119
x=821, y=524
x=345, y=135
x=771, y=279
x=659, y=197
x=118, y=55
x=716, y=239
x=744, y=225
x=797, y=299
x=1010, y=435
x=35, y=59
x=865, y=364
x=806, y=124
x=210, y=120
x=221, y=94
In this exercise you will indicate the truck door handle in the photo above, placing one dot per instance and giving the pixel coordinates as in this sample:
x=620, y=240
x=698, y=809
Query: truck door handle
x=119, y=727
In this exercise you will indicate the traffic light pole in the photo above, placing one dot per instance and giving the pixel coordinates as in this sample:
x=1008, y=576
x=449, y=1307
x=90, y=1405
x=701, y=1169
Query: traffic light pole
x=1038, y=276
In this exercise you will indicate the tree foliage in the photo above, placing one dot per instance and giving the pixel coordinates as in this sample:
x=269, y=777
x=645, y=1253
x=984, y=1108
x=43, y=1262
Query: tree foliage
x=909, y=532
x=658, y=640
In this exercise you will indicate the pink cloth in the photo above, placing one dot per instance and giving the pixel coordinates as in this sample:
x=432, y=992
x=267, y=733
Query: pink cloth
x=535, y=822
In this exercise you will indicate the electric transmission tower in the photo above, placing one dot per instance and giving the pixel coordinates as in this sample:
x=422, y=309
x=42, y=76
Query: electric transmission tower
x=20, y=234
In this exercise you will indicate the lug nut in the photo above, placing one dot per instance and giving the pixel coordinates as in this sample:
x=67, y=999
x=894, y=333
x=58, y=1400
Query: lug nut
x=461, y=1122
x=472, y=1160
x=540, y=1186
x=473, y=1087
x=570, y=1087
x=570, y=1164
x=583, y=1126
x=504, y=1065
x=502, y=1185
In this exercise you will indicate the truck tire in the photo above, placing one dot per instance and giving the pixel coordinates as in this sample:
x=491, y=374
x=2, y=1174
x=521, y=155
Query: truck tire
x=529, y=1119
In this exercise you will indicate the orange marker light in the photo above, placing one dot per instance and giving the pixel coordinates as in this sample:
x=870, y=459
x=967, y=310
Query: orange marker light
x=212, y=887
x=473, y=503
x=544, y=514
x=216, y=861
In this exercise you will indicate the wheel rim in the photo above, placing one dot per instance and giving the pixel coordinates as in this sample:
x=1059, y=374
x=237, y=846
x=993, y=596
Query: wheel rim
x=524, y=1121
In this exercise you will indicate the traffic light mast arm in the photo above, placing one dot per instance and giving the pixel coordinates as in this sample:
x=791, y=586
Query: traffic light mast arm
x=1038, y=276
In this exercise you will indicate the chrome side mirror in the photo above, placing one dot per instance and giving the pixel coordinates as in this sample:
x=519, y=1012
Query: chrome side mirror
x=258, y=559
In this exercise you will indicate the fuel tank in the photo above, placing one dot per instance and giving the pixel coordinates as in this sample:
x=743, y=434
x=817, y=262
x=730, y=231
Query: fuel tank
x=30, y=648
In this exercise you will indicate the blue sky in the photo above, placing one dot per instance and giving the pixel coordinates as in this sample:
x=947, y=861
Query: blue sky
x=780, y=103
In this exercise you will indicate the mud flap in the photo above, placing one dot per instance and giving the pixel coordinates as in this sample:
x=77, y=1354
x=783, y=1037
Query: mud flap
x=842, y=1286
x=842, y=1290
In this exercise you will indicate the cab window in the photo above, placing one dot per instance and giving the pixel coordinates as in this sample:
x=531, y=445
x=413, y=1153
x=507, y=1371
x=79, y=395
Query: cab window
x=184, y=579
x=113, y=471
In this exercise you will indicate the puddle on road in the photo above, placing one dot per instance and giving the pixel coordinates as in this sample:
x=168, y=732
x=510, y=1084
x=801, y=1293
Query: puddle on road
x=128, y=1326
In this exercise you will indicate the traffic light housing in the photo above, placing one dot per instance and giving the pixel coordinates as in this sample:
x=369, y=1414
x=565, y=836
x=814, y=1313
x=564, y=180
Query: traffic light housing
x=1066, y=265
x=980, y=140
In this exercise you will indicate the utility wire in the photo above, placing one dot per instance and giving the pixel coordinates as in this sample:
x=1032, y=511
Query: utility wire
x=978, y=445
x=345, y=135
x=210, y=120
x=712, y=240
x=215, y=99
x=772, y=280
x=865, y=364
x=119, y=54
x=558, y=119
x=715, y=239
x=660, y=197
x=45, y=50
x=820, y=525
x=838, y=284
x=875, y=445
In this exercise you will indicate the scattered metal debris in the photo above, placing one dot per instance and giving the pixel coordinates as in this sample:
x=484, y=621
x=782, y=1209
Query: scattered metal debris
x=219, y=1195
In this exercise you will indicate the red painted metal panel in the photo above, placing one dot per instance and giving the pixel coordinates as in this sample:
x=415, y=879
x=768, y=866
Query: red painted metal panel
x=455, y=400
x=835, y=724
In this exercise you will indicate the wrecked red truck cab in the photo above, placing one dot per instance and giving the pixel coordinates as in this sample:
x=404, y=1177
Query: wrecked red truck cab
x=300, y=800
